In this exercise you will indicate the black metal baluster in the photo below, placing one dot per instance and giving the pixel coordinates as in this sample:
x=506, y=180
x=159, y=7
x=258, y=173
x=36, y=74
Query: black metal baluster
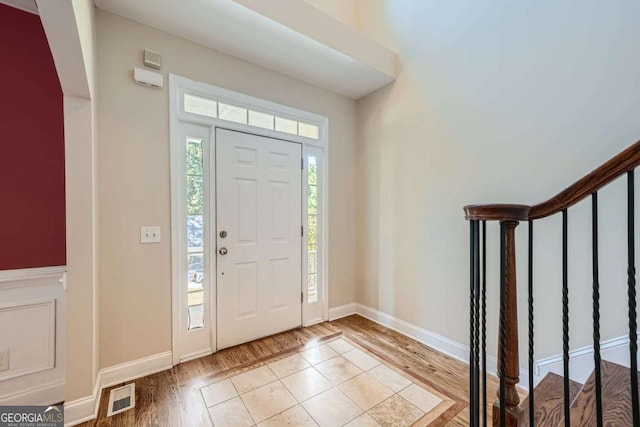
x=531, y=388
x=503, y=323
x=596, y=307
x=477, y=318
x=565, y=319
x=484, y=323
x=473, y=399
x=631, y=282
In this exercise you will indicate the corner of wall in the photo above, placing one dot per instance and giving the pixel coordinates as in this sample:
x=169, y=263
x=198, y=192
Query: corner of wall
x=70, y=31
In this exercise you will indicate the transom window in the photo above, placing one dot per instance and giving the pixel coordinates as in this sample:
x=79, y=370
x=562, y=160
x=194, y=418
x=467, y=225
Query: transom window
x=210, y=108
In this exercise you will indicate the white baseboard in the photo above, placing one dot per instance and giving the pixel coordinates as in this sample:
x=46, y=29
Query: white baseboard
x=342, y=311
x=195, y=355
x=42, y=395
x=430, y=339
x=136, y=369
x=581, y=363
x=86, y=408
x=313, y=322
x=83, y=409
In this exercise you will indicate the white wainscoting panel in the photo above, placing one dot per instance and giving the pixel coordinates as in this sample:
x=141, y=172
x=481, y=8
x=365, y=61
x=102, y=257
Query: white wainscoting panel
x=31, y=339
x=33, y=330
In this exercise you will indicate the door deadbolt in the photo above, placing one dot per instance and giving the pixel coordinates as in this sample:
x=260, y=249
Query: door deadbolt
x=223, y=251
x=223, y=234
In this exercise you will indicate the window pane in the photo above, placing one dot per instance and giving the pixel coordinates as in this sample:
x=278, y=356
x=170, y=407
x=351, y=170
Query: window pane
x=313, y=200
x=196, y=311
x=233, y=114
x=313, y=170
x=195, y=290
x=312, y=292
x=260, y=120
x=195, y=275
x=286, y=126
x=313, y=263
x=195, y=234
x=310, y=131
x=313, y=229
x=197, y=105
x=195, y=195
x=194, y=157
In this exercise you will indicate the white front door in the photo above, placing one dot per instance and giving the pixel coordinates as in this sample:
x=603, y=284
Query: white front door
x=259, y=243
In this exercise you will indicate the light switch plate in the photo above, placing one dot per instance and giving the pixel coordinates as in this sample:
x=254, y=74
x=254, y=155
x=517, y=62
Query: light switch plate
x=150, y=234
x=4, y=360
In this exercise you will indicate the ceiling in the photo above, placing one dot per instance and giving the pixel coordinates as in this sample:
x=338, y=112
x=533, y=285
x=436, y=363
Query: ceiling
x=287, y=36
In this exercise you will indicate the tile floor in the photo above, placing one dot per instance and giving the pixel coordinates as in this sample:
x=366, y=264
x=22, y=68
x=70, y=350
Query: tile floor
x=333, y=384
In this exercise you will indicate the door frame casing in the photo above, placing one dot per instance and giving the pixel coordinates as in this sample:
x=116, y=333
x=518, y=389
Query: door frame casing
x=178, y=120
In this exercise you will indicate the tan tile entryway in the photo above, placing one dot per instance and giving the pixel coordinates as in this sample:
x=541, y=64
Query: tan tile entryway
x=336, y=383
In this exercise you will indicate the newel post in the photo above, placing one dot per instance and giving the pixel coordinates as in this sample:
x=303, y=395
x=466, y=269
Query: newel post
x=506, y=410
x=508, y=331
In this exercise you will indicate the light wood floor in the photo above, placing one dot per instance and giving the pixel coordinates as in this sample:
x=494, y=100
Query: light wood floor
x=170, y=398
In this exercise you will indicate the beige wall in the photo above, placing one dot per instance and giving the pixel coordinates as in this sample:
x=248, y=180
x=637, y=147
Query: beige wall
x=85, y=19
x=133, y=165
x=496, y=102
x=70, y=30
x=81, y=334
x=345, y=11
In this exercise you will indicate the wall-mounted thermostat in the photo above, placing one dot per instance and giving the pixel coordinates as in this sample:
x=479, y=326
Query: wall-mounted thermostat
x=148, y=78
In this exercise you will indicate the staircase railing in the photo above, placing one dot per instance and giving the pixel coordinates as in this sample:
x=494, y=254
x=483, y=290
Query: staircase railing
x=506, y=409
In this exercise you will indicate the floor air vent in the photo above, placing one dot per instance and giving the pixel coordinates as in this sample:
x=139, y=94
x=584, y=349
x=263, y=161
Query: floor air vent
x=122, y=399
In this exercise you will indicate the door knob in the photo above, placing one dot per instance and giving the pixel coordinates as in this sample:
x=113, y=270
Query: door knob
x=223, y=251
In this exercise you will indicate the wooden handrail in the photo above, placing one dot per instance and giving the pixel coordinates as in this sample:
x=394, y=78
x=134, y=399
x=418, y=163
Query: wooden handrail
x=624, y=162
x=498, y=212
x=510, y=215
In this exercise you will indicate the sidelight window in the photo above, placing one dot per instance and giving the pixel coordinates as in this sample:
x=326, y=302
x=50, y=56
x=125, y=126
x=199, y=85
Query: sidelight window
x=195, y=233
x=312, y=227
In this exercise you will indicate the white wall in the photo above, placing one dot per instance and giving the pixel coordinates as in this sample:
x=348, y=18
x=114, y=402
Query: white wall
x=133, y=164
x=497, y=102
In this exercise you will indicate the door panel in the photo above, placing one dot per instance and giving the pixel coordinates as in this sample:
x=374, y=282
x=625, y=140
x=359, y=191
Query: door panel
x=259, y=198
x=247, y=210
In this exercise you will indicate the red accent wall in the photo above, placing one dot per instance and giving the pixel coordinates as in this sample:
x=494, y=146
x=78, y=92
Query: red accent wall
x=32, y=200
